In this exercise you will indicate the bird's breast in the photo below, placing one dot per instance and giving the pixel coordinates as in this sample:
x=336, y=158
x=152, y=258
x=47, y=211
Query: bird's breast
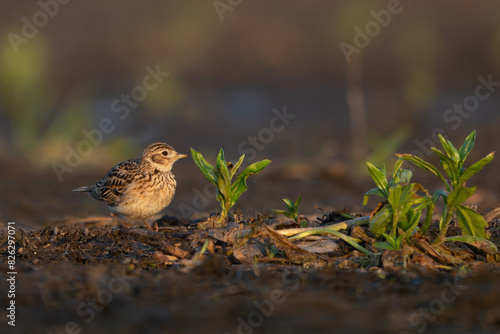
x=146, y=196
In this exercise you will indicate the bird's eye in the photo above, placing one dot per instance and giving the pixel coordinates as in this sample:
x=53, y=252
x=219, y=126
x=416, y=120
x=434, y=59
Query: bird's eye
x=164, y=153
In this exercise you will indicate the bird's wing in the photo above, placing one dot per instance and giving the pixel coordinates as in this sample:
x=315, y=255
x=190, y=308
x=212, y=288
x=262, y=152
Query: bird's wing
x=108, y=189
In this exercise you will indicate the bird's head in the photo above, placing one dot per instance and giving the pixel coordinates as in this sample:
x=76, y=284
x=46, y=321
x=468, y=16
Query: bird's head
x=162, y=156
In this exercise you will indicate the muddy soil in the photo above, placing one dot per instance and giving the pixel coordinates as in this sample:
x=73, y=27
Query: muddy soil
x=77, y=271
x=93, y=276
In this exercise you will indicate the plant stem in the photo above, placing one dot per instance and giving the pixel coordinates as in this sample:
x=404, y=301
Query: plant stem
x=394, y=227
x=221, y=222
x=203, y=249
x=428, y=217
x=222, y=218
x=443, y=228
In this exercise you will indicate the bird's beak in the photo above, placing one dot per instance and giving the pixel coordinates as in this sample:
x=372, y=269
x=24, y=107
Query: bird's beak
x=180, y=156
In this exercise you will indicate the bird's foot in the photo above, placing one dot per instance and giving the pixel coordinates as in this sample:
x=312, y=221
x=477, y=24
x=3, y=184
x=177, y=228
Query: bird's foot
x=147, y=226
x=124, y=223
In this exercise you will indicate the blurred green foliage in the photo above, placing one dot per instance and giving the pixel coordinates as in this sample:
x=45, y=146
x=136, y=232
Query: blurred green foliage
x=41, y=125
x=24, y=94
x=37, y=121
x=382, y=147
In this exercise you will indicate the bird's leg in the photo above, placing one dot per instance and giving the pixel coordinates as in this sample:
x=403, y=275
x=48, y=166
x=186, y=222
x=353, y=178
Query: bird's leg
x=115, y=216
x=148, y=227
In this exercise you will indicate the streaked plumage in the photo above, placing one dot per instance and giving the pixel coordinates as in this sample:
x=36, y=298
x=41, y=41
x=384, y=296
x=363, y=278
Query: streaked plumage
x=138, y=188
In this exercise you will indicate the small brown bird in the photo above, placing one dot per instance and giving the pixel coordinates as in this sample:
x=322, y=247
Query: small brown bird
x=138, y=188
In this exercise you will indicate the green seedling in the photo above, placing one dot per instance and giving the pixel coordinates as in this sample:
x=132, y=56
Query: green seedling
x=398, y=216
x=292, y=211
x=273, y=251
x=452, y=161
x=228, y=192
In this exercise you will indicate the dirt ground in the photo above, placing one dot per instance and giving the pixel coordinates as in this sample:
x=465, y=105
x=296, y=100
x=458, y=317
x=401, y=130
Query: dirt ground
x=89, y=275
x=96, y=277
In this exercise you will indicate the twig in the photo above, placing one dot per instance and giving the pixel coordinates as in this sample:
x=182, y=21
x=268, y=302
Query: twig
x=334, y=227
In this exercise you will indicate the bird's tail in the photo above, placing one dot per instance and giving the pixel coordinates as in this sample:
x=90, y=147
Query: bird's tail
x=84, y=189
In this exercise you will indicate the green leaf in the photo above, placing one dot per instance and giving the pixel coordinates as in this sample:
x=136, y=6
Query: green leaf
x=467, y=147
x=449, y=166
x=422, y=164
x=469, y=172
x=292, y=211
x=204, y=166
x=223, y=190
x=384, y=245
x=471, y=222
x=378, y=176
x=289, y=204
x=405, y=176
x=401, y=176
x=399, y=240
x=459, y=195
x=389, y=239
x=223, y=182
x=400, y=198
x=380, y=221
x=297, y=203
x=395, y=198
x=413, y=221
x=395, y=244
x=397, y=167
x=374, y=191
x=240, y=185
x=222, y=166
x=450, y=149
x=284, y=213
x=481, y=243
x=237, y=165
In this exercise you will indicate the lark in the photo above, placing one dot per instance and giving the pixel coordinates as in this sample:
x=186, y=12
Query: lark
x=138, y=188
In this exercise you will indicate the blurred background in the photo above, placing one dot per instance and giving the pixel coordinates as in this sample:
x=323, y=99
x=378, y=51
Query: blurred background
x=319, y=87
